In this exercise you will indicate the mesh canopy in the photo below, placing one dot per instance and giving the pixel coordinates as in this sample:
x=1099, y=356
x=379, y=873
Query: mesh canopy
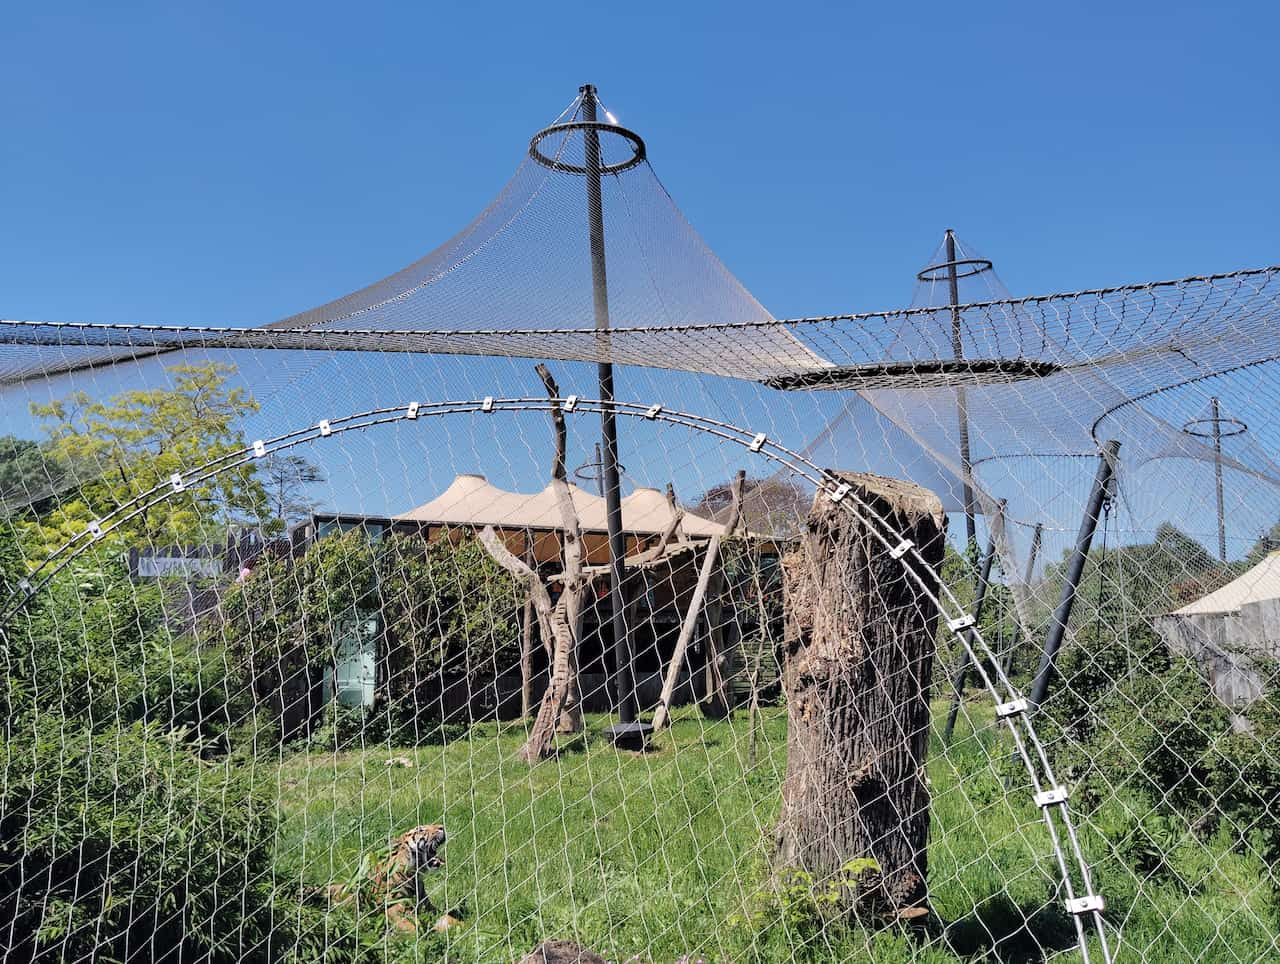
x=287, y=608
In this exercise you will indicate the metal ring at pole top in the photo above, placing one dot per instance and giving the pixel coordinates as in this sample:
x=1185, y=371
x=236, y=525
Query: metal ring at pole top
x=965, y=268
x=555, y=164
x=1220, y=427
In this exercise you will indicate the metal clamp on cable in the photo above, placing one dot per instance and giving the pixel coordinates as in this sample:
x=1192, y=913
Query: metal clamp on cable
x=1052, y=797
x=1012, y=708
x=1088, y=904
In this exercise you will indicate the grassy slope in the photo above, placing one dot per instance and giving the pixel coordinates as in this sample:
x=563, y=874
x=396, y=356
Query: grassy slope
x=664, y=854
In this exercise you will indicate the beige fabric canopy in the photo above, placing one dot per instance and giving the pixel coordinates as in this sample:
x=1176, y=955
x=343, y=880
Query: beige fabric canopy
x=1259, y=583
x=471, y=500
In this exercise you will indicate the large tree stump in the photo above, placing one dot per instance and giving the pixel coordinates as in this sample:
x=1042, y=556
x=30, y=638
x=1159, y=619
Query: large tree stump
x=859, y=638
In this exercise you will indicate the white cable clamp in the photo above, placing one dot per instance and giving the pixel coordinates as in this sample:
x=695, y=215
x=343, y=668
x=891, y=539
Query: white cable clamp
x=901, y=549
x=960, y=622
x=571, y=403
x=175, y=480
x=1012, y=708
x=757, y=443
x=1088, y=904
x=412, y=411
x=1051, y=797
x=95, y=529
x=653, y=411
x=325, y=429
x=24, y=585
x=259, y=449
x=487, y=404
x=840, y=491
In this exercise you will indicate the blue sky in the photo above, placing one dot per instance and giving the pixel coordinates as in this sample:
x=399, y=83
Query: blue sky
x=233, y=163
x=236, y=163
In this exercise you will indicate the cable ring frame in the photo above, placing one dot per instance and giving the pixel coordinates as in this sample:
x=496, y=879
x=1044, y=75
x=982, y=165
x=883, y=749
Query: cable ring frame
x=637, y=144
x=976, y=266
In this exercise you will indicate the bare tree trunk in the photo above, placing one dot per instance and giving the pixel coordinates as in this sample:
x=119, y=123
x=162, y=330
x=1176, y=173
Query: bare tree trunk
x=715, y=701
x=560, y=621
x=526, y=658
x=709, y=563
x=860, y=638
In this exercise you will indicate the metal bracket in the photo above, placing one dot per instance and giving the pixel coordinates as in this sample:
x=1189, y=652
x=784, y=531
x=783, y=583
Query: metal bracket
x=1049, y=798
x=571, y=403
x=24, y=585
x=653, y=411
x=840, y=491
x=1012, y=708
x=487, y=404
x=412, y=411
x=1088, y=904
x=960, y=622
x=95, y=529
x=757, y=443
x=325, y=430
x=259, y=449
x=175, y=480
x=901, y=549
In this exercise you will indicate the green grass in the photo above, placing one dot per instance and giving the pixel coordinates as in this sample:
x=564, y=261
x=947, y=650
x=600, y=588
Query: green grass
x=666, y=854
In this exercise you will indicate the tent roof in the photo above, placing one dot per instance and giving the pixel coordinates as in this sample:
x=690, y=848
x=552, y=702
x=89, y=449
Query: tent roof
x=1260, y=582
x=471, y=500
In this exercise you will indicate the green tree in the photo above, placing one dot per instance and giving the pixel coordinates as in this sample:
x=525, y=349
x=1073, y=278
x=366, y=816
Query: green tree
x=136, y=440
x=286, y=481
x=30, y=477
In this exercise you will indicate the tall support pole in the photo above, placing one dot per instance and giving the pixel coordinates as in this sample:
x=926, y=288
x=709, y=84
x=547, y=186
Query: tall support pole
x=980, y=596
x=1102, y=486
x=962, y=405
x=1037, y=534
x=624, y=686
x=1217, y=477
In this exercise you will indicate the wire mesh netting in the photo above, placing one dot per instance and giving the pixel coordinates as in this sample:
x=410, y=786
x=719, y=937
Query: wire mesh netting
x=950, y=631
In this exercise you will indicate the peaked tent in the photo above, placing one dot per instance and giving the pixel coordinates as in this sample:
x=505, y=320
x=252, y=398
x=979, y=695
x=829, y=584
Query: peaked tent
x=1229, y=629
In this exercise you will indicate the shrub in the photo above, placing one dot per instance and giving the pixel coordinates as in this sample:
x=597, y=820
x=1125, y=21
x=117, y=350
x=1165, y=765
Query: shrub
x=121, y=845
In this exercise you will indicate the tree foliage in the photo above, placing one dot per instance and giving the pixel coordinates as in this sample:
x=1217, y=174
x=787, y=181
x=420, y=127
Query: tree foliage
x=30, y=476
x=136, y=440
x=447, y=609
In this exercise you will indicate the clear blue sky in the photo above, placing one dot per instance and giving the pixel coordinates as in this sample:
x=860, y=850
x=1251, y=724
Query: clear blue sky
x=236, y=163
x=233, y=163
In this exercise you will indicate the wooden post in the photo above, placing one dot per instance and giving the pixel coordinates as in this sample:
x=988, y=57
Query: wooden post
x=695, y=605
x=526, y=647
x=859, y=640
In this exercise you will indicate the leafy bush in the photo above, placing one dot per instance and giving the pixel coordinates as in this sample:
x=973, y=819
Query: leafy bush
x=449, y=611
x=96, y=646
x=121, y=845
x=450, y=608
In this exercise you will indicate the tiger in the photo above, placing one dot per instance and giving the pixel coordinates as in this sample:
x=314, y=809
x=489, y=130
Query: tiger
x=397, y=880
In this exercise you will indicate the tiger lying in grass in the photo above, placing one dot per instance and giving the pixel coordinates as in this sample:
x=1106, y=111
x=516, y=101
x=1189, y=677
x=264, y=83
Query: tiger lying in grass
x=396, y=881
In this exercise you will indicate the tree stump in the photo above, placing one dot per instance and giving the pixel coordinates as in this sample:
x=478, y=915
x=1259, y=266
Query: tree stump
x=859, y=639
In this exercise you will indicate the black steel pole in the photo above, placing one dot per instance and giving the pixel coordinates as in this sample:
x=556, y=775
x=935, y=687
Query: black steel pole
x=980, y=596
x=1036, y=535
x=1217, y=471
x=962, y=405
x=624, y=687
x=1075, y=569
